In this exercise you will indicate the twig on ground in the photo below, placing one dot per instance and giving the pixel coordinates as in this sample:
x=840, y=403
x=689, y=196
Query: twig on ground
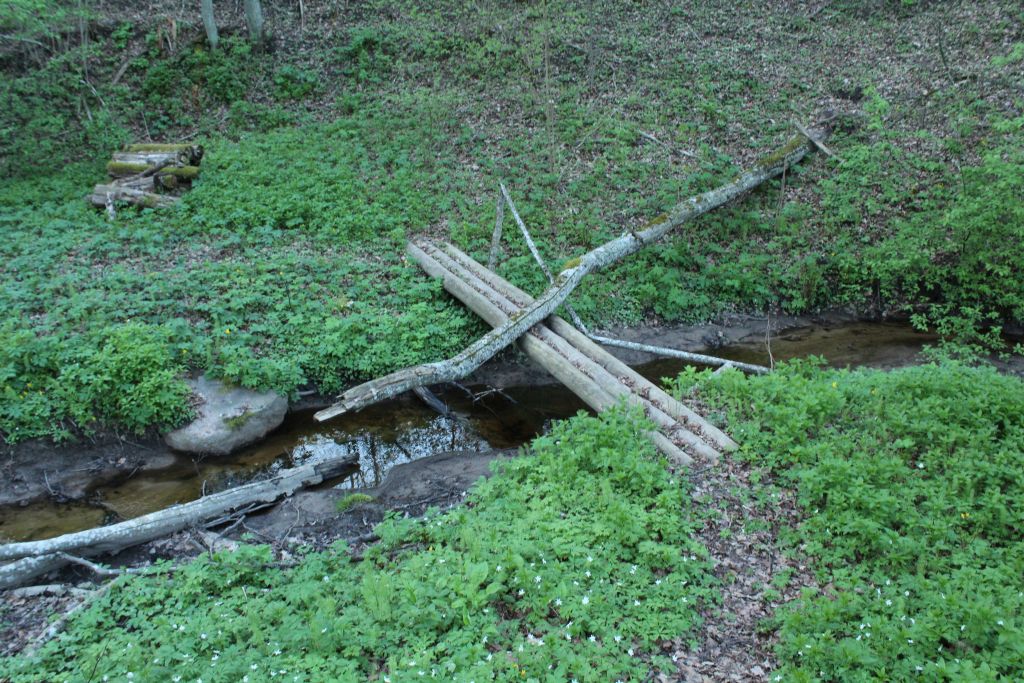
x=682, y=355
x=682, y=152
x=815, y=141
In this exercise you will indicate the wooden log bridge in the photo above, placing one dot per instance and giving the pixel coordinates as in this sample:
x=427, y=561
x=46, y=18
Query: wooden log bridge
x=593, y=374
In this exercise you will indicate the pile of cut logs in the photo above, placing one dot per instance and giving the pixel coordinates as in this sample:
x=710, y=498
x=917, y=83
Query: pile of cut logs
x=141, y=173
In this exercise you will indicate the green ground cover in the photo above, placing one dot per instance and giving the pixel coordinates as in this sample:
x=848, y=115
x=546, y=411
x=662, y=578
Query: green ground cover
x=282, y=268
x=529, y=581
x=909, y=483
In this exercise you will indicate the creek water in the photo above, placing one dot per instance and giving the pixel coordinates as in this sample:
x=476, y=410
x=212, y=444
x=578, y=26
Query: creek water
x=404, y=429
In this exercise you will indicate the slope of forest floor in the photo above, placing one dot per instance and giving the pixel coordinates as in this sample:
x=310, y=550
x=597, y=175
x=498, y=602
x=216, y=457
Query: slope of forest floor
x=361, y=125
x=867, y=530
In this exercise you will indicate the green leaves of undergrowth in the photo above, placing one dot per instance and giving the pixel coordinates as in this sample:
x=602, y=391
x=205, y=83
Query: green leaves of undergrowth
x=910, y=482
x=570, y=563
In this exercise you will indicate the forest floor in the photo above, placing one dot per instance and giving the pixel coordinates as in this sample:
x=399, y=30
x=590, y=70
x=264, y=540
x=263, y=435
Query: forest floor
x=866, y=529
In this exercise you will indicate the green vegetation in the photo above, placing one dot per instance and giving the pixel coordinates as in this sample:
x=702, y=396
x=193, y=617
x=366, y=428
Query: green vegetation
x=352, y=500
x=399, y=118
x=529, y=581
x=913, y=501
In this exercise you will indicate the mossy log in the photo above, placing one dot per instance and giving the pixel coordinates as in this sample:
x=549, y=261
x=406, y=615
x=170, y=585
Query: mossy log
x=102, y=195
x=193, y=153
x=151, y=158
x=682, y=427
x=482, y=350
x=124, y=169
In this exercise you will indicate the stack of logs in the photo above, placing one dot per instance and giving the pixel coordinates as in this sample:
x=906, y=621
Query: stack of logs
x=139, y=174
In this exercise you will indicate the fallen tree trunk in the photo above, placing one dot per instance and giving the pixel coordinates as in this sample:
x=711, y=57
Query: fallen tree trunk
x=38, y=557
x=623, y=372
x=192, y=153
x=171, y=158
x=597, y=389
x=127, y=169
x=547, y=303
x=102, y=195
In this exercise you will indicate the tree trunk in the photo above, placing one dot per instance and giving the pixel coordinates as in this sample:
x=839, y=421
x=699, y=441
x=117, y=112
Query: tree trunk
x=37, y=557
x=591, y=374
x=254, y=21
x=192, y=153
x=124, y=169
x=487, y=346
x=209, y=22
x=151, y=158
x=626, y=374
x=105, y=194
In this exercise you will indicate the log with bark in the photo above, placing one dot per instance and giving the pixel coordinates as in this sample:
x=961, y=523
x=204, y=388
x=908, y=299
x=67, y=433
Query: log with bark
x=546, y=304
x=172, y=158
x=622, y=375
x=32, y=558
x=192, y=153
x=584, y=377
x=102, y=195
x=127, y=169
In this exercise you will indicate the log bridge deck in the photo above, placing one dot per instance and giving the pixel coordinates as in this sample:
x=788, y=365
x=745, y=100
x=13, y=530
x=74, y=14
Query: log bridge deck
x=600, y=379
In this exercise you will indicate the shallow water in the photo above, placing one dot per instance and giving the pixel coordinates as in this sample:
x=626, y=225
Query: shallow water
x=382, y=436
x=405, y=429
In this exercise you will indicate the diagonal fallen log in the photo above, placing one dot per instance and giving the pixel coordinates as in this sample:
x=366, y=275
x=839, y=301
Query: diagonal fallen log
x=587, y=379
x=622, y=372
x=479, y=352
x=33, y=558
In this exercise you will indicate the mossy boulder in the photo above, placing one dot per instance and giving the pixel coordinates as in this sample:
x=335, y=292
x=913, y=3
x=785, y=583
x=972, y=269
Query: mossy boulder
x=228, y=418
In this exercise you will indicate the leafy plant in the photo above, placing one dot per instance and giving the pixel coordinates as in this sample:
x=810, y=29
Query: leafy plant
x=528, y=581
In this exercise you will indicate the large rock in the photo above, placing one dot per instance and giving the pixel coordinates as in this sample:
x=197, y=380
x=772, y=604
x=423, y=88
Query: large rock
x=228, y=418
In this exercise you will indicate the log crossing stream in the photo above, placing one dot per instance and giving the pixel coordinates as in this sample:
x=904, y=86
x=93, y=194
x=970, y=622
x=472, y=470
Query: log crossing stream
x=404, y=429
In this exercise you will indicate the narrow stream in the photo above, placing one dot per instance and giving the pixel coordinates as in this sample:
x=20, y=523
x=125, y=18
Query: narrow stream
x=402, y=430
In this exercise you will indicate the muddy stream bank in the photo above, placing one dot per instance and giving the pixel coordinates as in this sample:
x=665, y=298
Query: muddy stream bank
x=48, y=490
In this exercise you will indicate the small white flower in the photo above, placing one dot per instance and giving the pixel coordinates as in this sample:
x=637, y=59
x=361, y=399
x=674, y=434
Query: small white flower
x=618, y=638
x=202, y=636
x=592, y=638
x=888, y=603
x=277, y=652
x=521, y=592
x=589, y=558
x=632, y=570
x=326, y=578
x=629, y=652
x=636, y=603
x=1000, y=622
x=558, y=602
x=586, y=600
x=536, y=579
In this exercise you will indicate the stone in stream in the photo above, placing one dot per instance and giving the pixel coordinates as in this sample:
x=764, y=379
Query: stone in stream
x=228, y=418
